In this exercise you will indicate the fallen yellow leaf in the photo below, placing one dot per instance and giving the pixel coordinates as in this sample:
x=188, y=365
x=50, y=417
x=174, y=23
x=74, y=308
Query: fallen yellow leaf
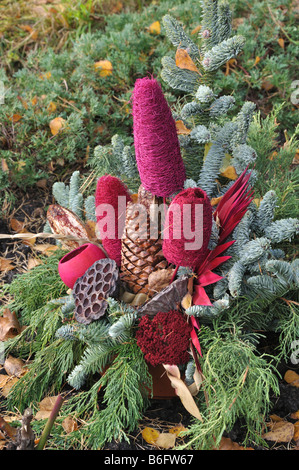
x=257, y=60
x=56, y=125
x=15, y=118
x=186, y=301
x=230, y=65
x=281, y=42
x=181, y=129
x=30, y=30
x=45, y=76
x=292, y=378
x=51, y=107
x=230, y=173
x=150, y=435
x=215, y=200
x=155, y=27
x=104, y=67
x=184, y=61
x=177, y=430
x=296, y=158
x=196, y=29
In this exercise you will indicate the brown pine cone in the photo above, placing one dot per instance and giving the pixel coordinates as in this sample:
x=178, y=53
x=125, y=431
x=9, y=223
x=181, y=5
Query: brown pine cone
x=141, y=250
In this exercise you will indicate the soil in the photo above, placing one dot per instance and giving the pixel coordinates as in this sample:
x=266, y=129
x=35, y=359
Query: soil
x=162, y=414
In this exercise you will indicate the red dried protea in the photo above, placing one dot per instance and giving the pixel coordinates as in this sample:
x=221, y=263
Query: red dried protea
x=233, y=206
x=111, y=199
x=188, y=228
x=157, y=149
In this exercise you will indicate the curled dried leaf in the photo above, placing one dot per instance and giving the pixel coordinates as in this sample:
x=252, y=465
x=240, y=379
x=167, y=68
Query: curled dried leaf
x=160, y=279
x=182, y=390
x=65, y=222
x=281, y=431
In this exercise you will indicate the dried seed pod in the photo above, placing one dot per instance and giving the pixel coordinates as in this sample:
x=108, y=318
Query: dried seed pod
x=65, y=222
x=92, y=289
x=168, y=299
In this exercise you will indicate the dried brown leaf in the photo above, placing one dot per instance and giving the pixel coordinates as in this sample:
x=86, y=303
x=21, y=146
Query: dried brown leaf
x=5, y=389
x=281, y=431
x=227, y=444
x=6, y=265
x=69, y=424
x=7, y=429
x=160, y=279
x=165, y=440
x=292, y=378
x=14, y=366
x=9, y=325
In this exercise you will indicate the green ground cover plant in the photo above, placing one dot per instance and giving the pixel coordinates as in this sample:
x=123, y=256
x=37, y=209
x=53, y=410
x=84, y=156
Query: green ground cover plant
x=46, y=83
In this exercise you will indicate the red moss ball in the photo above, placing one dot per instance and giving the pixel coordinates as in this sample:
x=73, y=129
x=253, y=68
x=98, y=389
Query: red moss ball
x=165, y=339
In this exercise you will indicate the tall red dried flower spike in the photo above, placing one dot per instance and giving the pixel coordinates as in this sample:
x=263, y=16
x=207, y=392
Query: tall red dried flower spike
x=184, y=218
x=111, y=192
x=157, y=149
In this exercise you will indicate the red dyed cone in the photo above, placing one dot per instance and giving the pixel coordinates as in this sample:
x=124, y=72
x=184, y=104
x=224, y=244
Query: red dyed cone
x=111, y=199
x=157, y=149
x=188, y=228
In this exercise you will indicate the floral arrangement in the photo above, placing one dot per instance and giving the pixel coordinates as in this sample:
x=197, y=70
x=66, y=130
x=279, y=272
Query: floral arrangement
x=153, y=268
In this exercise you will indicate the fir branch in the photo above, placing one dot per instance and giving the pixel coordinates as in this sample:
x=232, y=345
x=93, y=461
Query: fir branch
x=221, y=53
x=209, y=24
x=243, y=156
x=254, y=250
x=177, y=78
x=282, y=230
x=235, y=277
x=178, y=37
x=204, y=94
x=201, y=134
x=90, y=208
x=221, y=106
x=243, y=121
x=224, y=21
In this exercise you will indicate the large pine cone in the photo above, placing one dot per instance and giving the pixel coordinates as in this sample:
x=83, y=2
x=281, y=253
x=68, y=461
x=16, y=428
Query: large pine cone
x=141, y=251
